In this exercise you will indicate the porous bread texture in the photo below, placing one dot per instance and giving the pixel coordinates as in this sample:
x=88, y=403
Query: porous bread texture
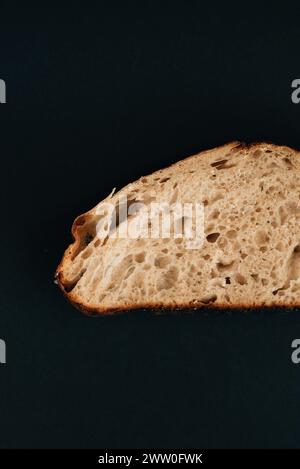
x=251, y=252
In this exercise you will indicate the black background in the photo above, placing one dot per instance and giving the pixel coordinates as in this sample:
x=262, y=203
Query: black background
x=96, y=97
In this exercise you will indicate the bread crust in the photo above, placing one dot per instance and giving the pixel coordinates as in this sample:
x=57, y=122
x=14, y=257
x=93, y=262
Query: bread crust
x=92, y=310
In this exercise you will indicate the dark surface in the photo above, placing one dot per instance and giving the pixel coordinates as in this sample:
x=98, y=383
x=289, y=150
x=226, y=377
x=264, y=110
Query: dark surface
x=96, y=98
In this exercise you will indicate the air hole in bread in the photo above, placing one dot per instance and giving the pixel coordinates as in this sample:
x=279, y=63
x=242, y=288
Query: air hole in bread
x=140, y=257
x=162, y=261
x=69, y=286
x=80, y=220
x=294, y=265
x=288, y=162
x=231, y=234
x=214, y=214
x=129, y=272
x=163, y=180
x=86, y=253
x=273, y=273
x=241, y=280
x=222, y=164
x=97, y=243
x=279, y=246
x=222, y=266
x=218, y=163
x=208, y=299
x=261, y=237
x=217, y=196
x=86, y=232
x=212, y=238
x=88, y=237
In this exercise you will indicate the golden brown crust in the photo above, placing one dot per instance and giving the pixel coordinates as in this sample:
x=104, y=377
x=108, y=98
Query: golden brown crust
x=98, y=310
x=92, y=311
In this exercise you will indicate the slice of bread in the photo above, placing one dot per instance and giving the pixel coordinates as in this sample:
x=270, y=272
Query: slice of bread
x=250, y=254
